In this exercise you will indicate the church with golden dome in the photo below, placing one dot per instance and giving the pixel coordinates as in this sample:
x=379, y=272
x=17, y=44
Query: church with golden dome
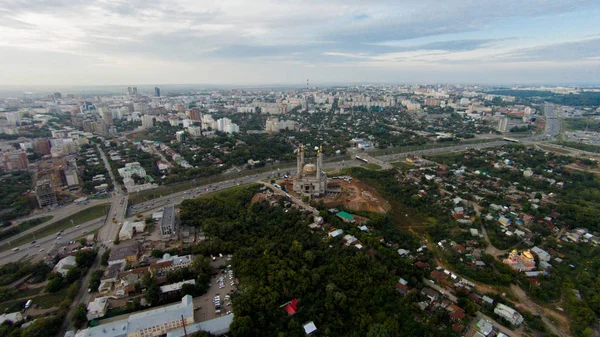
x=310, y=180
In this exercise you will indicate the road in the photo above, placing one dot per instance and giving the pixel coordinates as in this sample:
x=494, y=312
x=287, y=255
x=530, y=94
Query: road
x=46, y=244
x=58, y=214
x=106, y=235
x=562, y=330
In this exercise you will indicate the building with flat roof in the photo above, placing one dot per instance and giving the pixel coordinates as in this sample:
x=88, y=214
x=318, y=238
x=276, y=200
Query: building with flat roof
x=149, y=323
x=216, y=327
x=175, y=287
x=124, y=253
x=130, y=228
x=132, y=169
x=97, y=308
x=167, y=224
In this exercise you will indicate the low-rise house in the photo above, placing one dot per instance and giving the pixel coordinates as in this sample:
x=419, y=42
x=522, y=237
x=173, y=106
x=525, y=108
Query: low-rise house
x=509, y=314
x=97, y=308
x=63, y=266
x=431, y=294
x=124, y=254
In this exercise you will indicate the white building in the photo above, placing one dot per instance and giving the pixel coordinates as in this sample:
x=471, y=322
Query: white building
x=175, y=286
x=509, y=314
x=97, y=308
x=13, y=118
x=132, y=169
x=147, y=121
x=129, y=228
x=63, y=266
x=148, y=323
x=275, y=125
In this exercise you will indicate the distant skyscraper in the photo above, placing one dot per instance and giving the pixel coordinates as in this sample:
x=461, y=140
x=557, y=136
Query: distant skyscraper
x=129, y=91
x=13, y=118
x=157, y=91
x=134, y=91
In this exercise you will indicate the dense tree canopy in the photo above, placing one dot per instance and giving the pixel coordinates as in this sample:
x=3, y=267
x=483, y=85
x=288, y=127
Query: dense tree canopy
x=345, y=291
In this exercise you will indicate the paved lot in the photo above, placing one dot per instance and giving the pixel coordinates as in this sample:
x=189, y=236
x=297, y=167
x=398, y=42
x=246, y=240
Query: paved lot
x=205, y=302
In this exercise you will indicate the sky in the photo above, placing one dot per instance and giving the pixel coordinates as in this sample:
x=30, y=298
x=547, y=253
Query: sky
x=285, y=42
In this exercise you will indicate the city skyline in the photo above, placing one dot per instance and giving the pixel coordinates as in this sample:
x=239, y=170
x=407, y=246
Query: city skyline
x=59, y=43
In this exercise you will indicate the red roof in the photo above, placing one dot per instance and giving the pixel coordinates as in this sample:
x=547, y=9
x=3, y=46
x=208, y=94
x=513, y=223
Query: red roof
x=292, y=308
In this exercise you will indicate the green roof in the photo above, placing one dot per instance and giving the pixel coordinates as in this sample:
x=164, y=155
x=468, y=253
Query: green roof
x=345, y=216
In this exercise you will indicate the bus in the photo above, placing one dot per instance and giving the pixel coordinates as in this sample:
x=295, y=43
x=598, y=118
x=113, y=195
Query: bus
x=512, y=140
x=28, y=304
x=361, y=159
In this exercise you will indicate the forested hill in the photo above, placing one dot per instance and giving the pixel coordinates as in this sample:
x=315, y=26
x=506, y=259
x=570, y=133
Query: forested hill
x=345, y=291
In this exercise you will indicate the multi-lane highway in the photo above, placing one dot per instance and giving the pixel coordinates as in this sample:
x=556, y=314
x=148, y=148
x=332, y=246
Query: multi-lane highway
x=42, y=246
x=57, y=214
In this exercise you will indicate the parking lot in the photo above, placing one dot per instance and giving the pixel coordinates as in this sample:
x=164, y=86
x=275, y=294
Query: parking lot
x=205, y=303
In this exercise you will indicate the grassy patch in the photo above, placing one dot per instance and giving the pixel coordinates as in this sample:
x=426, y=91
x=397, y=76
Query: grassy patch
x=78, y=218
x=12, y=306
x=50, y=300
x=372, y=166
x=23, y=226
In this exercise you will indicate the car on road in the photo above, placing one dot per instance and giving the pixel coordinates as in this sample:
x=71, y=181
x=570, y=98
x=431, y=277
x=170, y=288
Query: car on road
x=33, y=242
x=41, y=250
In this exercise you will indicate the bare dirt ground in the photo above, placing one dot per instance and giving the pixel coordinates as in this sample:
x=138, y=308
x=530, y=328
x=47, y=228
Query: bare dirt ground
x=358, y=196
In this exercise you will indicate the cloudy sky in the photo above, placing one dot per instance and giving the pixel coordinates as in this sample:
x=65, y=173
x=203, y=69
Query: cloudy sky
x=96, y=42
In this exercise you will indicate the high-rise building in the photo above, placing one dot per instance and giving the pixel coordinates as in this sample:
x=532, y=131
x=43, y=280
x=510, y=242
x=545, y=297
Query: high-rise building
x=157, y=91
x=106, y=115
x=44, y=192
x=147, y=121
x=195, y=115
x=129, y=91
x=180, y=135
x=13, y=118
x=15, y=160
x=42, y=146
x=71, y=176
x=167, y=225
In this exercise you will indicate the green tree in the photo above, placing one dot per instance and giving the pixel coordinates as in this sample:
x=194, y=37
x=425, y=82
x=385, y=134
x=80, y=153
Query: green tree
x=73, y=275
x=152, y=294
x=79, y=315
x=188, y=289
x=55, y=282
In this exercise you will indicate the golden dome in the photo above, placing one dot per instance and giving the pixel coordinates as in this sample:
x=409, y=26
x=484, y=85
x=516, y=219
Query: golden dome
x=309, y=169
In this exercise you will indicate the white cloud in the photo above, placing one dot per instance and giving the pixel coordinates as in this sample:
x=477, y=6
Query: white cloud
x=243, y=36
